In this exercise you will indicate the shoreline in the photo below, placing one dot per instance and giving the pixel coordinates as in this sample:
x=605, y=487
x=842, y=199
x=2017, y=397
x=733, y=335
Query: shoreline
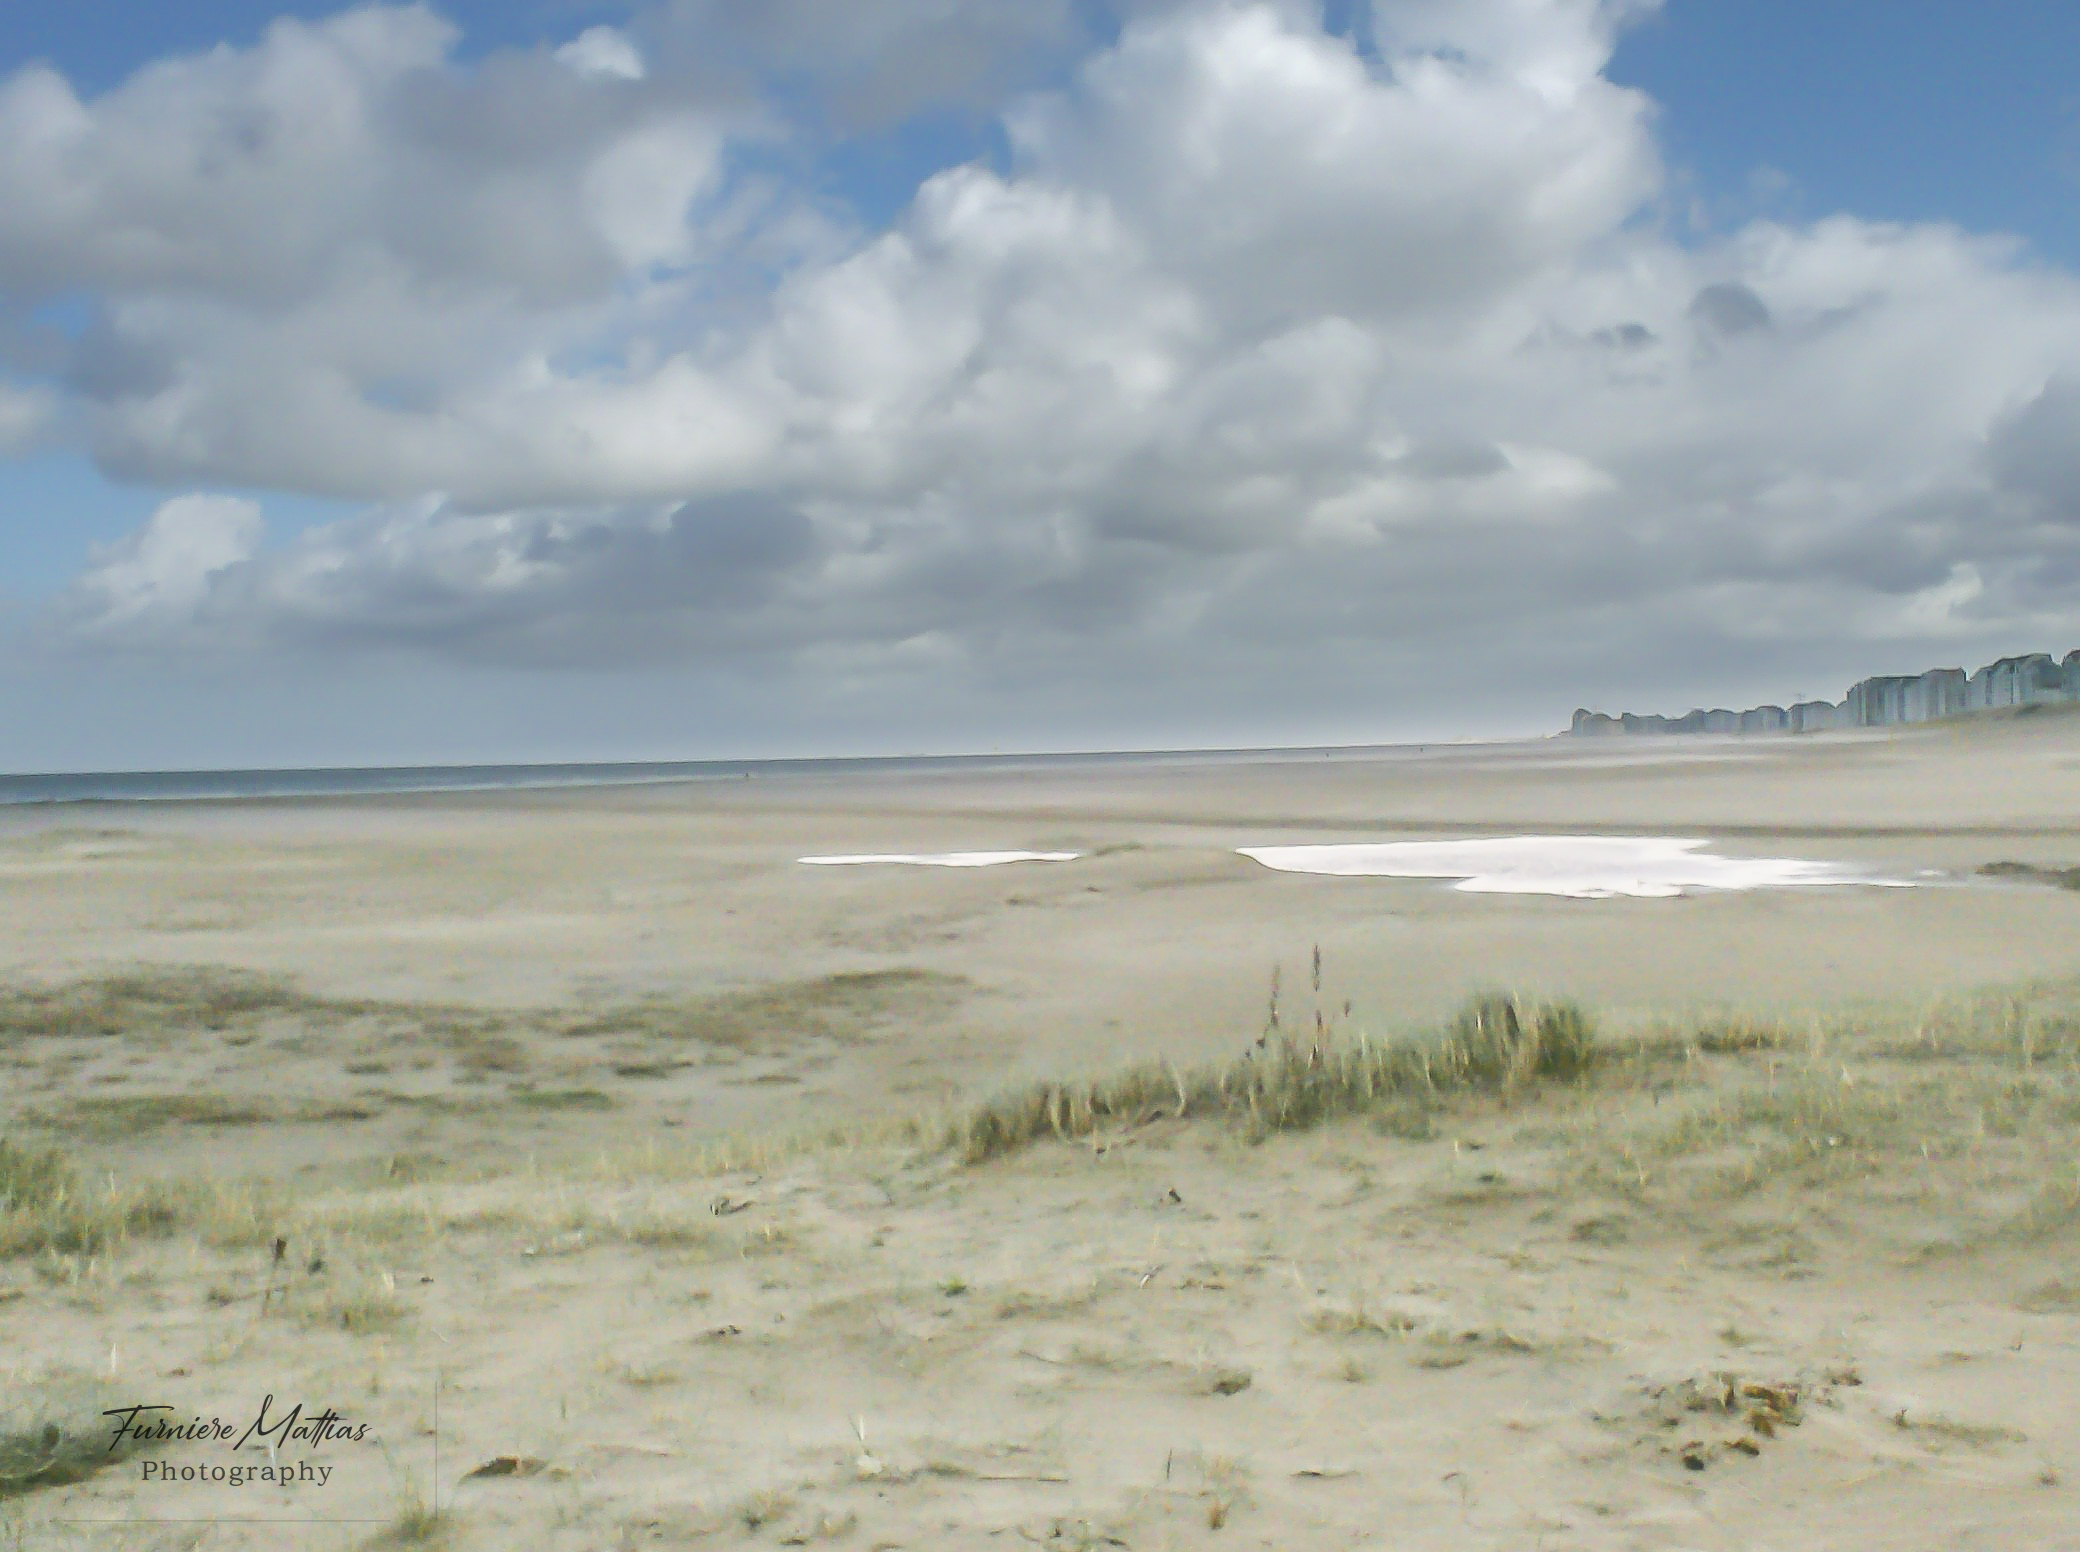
x=587, y=775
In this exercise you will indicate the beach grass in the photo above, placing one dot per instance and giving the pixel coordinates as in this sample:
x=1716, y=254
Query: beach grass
x=1738, y=1102
x=48, y=1207
x=1289, y=1082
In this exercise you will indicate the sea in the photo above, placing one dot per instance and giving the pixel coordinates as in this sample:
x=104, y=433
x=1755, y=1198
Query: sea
x=366, y=781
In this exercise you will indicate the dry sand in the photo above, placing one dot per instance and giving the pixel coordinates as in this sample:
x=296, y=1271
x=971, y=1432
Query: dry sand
x=508, y=1070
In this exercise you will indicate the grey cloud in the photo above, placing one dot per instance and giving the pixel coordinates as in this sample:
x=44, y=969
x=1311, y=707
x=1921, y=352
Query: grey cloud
x=598, y=586
x=1450, y=459
x=2037, y=449
x=739, y=536
x=876, y=64
x=1625, y=336
x=106, y=363
x=1730, y=308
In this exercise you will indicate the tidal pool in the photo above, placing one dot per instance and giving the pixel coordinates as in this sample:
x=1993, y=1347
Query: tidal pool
x=1589, y=867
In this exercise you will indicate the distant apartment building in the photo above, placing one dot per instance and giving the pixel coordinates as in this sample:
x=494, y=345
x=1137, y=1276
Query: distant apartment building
x=1885, y=700
x=1895, y=698
x=1941, y=692
x=2018, y=681
x=1878, y=702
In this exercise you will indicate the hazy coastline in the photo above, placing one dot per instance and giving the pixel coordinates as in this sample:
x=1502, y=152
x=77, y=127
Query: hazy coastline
x=200, y=785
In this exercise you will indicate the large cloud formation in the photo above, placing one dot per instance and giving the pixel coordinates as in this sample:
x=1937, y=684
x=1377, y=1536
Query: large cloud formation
x=1260, y=352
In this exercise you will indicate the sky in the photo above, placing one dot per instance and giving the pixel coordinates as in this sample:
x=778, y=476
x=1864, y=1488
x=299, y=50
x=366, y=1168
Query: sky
x=585, y=379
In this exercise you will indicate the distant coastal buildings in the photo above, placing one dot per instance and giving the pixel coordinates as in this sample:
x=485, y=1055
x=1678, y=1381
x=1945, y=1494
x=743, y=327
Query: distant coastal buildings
x=1885, y=701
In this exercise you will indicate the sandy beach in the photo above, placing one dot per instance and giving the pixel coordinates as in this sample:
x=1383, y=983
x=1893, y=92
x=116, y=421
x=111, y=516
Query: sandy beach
x=604, y=1117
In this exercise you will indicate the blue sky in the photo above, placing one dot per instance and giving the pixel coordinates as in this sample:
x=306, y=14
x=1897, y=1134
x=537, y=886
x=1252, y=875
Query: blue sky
x=97, y=43
x=1902, y=110
x=393, y=394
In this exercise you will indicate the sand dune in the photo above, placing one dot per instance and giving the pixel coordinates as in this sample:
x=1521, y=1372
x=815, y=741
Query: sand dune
x=600, y=1115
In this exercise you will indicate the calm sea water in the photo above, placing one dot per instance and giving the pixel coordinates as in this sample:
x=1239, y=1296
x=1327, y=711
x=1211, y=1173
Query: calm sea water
x=161, y=786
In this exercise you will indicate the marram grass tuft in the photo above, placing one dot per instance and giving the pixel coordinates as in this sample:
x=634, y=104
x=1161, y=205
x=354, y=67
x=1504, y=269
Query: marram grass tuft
x=1287, y=1082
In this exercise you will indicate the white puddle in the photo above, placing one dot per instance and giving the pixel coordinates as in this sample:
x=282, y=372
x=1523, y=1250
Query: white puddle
x=1590, y=867
x=944, y=859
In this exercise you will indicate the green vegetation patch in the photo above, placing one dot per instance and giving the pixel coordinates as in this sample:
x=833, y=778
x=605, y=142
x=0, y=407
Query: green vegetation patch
x=122, y=1114
x=563, y=1099
x=53, y=1434
x=144, y=1000
x=2062, y=878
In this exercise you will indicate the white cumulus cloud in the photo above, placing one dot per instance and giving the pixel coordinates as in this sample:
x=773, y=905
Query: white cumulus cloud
x=1261, y=349
x=162, y=577
x=603, y=51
